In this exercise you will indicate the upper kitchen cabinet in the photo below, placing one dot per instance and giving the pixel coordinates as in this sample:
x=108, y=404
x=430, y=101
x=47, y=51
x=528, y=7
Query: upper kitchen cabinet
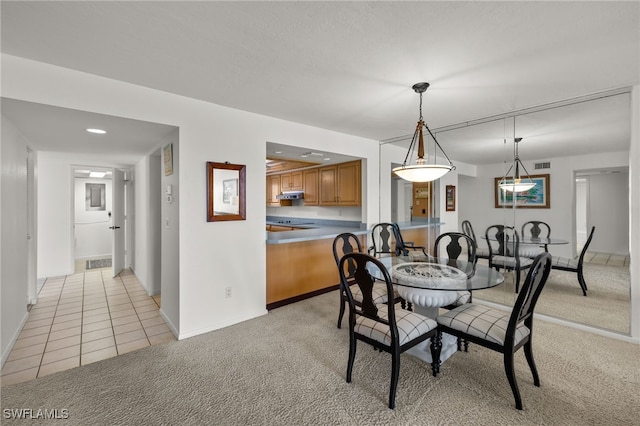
x=310, y=187
x=273, y=190
x=291, y=181
x=340, y=184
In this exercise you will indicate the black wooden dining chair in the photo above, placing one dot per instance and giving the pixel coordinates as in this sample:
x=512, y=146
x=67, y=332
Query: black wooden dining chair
x=481, y=252
x=456, y=246
x=385, y=326
x=535, y=229
x=349, y=243
x=504, y=251
x=500, y=331
x=575, y=265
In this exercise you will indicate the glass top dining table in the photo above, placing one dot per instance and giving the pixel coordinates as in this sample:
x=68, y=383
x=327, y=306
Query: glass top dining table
x=536, y=240
x=439, y=274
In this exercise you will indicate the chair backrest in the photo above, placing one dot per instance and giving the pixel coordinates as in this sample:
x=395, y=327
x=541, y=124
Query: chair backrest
x=451, y=242
x=536, y=228
x=401, y=247
x=528, y=297
x=363, y=264
x=586, y=245
x=383, y=239
x=467, y=229
x=343, y=244
x=503, y=241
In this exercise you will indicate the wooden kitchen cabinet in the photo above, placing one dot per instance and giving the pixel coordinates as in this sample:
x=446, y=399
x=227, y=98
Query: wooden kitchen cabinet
x=273, y=190
x=340, y=184
x=291, y=181
x=310, y=187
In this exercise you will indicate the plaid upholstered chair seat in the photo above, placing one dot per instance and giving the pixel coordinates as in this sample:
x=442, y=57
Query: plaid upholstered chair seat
x=410, y=326
x=482, y=322
x=529, y=251
x=565, y=262
x=510, y=262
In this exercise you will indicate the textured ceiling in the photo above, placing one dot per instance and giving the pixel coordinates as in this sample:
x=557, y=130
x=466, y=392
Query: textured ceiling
x=349, y=66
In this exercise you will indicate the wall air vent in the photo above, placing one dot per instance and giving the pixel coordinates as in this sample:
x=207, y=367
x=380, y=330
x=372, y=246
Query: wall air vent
x=545, y=165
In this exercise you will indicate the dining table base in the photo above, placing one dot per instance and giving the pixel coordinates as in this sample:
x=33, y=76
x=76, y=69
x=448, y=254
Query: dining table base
x=423, y=350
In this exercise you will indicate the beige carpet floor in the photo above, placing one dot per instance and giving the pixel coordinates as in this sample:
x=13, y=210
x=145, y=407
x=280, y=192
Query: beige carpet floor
x=606, y=305
x=288, y=368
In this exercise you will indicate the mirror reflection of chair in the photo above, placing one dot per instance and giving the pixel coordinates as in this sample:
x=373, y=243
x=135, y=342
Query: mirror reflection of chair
x=386, y=327
x=481, y=252
x=408, y=248
x=386, y=239
x=383, y=240
x=500, y=331
x=350, y=243
x=535, y=229
x=456, y=246
x=575, y=265
x=504, y=251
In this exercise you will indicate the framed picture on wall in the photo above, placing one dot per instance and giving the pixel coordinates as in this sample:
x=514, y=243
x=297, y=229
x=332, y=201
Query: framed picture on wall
x=451, y=198
x=538, y=197
x=95, y=196
x=167, y=153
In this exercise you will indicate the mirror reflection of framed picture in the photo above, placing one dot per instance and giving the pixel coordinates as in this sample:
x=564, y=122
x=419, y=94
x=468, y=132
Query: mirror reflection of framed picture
x=537, y=197
x=451, y=198
x=230, y=190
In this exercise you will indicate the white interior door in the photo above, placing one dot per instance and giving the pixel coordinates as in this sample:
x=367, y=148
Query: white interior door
x=117, y=222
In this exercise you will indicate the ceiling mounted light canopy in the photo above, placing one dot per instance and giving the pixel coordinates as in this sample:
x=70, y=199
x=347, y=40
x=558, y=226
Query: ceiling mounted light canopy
x=422, y=170
x=517, y=184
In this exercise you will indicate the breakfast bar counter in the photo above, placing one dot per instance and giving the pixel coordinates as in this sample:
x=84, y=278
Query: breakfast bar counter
x=300, y=261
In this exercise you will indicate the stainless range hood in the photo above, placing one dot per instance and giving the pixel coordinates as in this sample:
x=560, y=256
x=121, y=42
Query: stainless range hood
x=290, y=195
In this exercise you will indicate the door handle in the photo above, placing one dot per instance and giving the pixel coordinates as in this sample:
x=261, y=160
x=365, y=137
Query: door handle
x=114, y=227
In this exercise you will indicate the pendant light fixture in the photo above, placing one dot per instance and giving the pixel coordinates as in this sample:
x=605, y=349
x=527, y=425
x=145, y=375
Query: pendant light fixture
x=422, y=170
x=517, y=184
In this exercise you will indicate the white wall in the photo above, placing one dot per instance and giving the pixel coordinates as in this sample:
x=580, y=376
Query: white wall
x=146, y=217
x=13, y=241
x=92, y=233
x=208, y=252
x=56, y=240
x=477, y=198
x=609, y=213
x=170, y=241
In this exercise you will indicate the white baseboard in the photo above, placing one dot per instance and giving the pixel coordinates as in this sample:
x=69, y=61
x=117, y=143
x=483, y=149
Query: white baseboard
x=14, y=338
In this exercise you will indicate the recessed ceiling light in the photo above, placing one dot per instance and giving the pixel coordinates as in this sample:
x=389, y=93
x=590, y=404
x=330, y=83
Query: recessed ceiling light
x=327, y=159
x=97, y=174
x=97, y=131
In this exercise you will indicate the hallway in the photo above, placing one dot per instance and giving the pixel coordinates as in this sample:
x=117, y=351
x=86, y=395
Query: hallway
x=83, y=318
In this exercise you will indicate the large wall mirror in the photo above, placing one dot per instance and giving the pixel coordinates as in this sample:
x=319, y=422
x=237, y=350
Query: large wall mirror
x=225, y=192
x=582, y=145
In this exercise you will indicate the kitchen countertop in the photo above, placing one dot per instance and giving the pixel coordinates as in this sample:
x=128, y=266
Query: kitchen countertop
x=322, y=229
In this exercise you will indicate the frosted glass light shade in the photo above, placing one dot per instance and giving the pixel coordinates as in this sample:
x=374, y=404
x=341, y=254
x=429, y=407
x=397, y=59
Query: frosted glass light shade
x=422, y=172
x=516, y=186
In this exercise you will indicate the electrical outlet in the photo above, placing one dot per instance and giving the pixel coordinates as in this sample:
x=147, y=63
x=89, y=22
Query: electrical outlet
x=227, y=292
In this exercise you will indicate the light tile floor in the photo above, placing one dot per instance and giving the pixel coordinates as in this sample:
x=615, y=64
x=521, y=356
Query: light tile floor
x=607, y=259
x=83, y=318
